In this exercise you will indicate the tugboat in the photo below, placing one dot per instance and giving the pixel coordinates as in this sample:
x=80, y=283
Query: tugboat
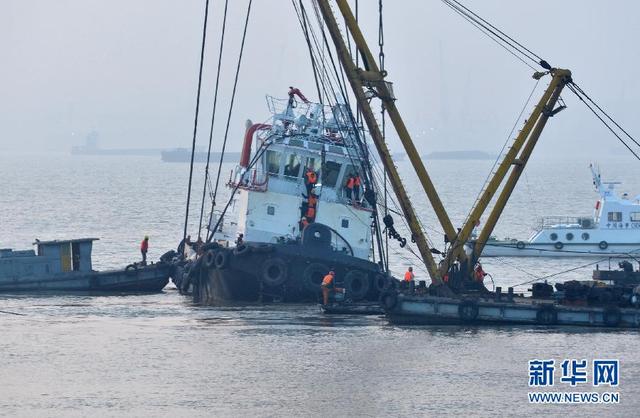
x=65, y=266
x=612, y=230
x=302, y=204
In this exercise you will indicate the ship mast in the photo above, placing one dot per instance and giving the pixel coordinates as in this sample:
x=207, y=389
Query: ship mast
x=373, y=79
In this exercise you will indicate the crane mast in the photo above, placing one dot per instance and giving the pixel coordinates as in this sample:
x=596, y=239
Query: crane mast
x=372, y=80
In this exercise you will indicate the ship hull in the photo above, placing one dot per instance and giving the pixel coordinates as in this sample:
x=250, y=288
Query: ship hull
x=279, y=273
x=525, y=249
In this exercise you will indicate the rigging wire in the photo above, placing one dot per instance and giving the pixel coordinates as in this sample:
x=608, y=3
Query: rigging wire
x=207, y=181
x=195, y=122
x=233, y=96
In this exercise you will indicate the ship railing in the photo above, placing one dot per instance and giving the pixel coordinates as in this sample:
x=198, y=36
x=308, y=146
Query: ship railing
x=581, y=222
x=253, y=179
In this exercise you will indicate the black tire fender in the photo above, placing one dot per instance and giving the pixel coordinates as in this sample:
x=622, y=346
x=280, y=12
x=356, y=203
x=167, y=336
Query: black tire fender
x=356, y=283
x=611, y=316
x=242, y=249
x=381, y=282
x=547, y=315
x=389, y=299
x=131, y=269
x=311, y=274
x=468, y=310
x=603, y=245
x=209, y=258
x=274, y=272
x=221, y=261
x=520, y=245
x=558, y=245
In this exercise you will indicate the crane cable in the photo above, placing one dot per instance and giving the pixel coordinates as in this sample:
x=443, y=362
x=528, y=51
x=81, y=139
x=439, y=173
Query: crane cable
x=195, y=122
x=207, y=181
x=233, y=96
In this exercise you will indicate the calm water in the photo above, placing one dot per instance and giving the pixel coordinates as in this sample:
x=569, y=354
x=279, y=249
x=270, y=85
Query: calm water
x=158, y=355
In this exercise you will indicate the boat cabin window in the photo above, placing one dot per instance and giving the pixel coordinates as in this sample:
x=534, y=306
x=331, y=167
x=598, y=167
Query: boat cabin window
x=635, y=216
x=553, y=236
x=312, y=163
x=585, y=236
x=615, y=216
x=292, y=167
x=345, y=223
x=273, y=162
x=271, y=210
x=330, y=173
x=569, y=236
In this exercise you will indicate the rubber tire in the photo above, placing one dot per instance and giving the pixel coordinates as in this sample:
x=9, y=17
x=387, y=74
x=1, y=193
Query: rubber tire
x=381, y=282
x=309, y=275
x=603, y=245
x=611, y=316
x=558, y=245
x=389, y=299
x=520, y=245
x=354, y=291
x=242, y=249
x=267, y=267
x=547, y=315
x=222, y=259
x=209, y=259
x=468, y=310
x=323, y=239
x=131, y=270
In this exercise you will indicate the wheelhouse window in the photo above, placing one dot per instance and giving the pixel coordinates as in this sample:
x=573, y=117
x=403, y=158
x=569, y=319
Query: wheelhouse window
x=330, y=173
x=614, y=216
x=273, y=162
x=345, y=223
x=271, y=210
x=312, y=163
x=292, y=167
x=635, y=216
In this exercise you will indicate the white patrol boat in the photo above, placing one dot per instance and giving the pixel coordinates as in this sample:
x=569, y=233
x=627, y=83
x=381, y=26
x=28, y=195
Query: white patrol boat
x=612, y=230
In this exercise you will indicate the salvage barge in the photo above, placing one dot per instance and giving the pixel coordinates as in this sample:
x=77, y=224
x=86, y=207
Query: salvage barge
x=65, y=266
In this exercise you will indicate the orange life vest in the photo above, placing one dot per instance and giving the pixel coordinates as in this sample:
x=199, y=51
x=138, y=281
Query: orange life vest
x=350, y=183
x=408, y=276
x=328, y=279
x=311, y=212
x=312, y=201
x=356, y=181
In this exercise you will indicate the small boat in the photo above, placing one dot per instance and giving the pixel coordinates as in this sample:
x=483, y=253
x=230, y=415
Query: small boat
x=352, y=308
x=612, y=230
x=65, y=265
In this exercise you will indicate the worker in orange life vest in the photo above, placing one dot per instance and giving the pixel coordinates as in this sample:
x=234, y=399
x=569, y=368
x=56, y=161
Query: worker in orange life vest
x=351, y=181
x=311, y=213
x=409, y=276
x=356, y=187
x=144, y=248
x=310, y=179
x=327, y=284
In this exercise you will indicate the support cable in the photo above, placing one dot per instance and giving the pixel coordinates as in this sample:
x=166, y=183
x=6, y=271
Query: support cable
x=195, y=122
x=207, y=181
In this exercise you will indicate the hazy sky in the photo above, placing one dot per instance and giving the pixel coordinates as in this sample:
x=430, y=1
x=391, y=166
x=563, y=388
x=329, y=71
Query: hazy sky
x=128, y=69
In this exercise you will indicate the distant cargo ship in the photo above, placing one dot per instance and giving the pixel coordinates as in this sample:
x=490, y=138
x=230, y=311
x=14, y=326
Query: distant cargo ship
x=183, y=155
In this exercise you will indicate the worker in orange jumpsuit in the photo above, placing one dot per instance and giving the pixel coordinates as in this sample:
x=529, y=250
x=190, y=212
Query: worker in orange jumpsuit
x=326, y=286
x=409, y=276
x=310, y=179
x=356, y=187
x=144, y=248
x=311, y=214
x=351, y=181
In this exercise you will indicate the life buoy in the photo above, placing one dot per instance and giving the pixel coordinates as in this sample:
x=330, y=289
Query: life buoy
x=389, y=299
x=558, y=245
x=313, y=275
x=210, y=259
x=241, y=249
x=131, y=269
x=603, y=245
x=547, y=315
x=274, y=272
x=611, y=316
x=356, y=283
x=520, y=245
x=221, y=260
x=468, y=310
